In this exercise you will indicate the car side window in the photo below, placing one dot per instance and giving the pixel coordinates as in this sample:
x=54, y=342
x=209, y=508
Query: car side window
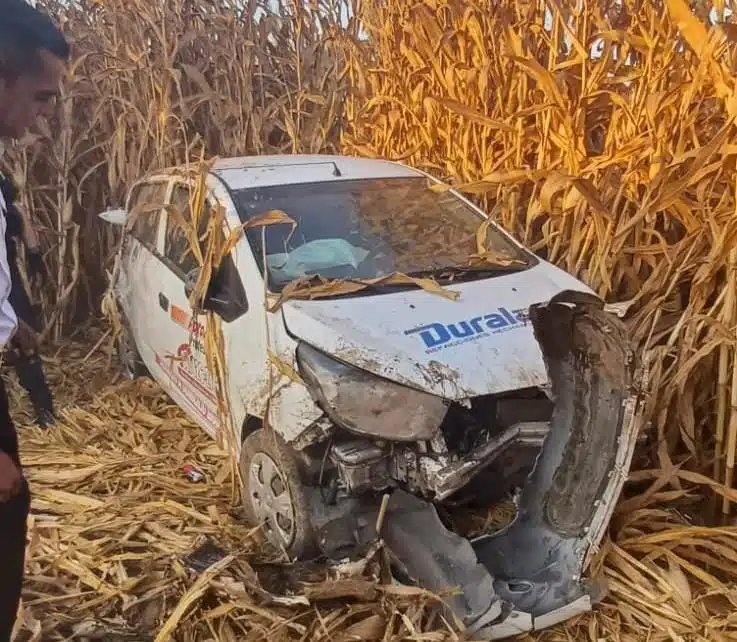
x=177, y=248
x=226, y=285
x=147, y=200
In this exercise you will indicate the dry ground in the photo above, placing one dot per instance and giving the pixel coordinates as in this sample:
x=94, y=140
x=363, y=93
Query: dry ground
x=114, y=517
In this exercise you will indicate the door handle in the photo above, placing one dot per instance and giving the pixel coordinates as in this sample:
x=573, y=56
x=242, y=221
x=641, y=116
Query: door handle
x=163, y=302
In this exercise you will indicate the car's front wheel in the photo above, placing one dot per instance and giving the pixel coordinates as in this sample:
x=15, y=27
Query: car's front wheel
x=274, y=495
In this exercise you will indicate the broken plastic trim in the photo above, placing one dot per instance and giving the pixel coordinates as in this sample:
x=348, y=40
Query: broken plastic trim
x=458, y=473
x=539, y=560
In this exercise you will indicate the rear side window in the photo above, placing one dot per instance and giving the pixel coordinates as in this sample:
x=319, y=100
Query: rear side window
x=146, y=201
x=226, y=284
x=177, y=248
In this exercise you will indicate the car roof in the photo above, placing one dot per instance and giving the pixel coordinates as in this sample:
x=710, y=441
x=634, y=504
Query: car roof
x=288, y=169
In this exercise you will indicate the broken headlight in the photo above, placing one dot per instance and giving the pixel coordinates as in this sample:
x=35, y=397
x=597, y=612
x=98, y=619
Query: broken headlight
x=369, y=405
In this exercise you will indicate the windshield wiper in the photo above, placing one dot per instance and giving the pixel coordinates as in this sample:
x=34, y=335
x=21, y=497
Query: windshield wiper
x=365, y=286
x=458, y=272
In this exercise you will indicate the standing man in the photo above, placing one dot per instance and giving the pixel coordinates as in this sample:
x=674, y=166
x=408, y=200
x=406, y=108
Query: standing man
x=33, y=57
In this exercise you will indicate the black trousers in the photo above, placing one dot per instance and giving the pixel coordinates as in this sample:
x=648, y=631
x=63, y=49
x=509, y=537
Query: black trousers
x=13, y=516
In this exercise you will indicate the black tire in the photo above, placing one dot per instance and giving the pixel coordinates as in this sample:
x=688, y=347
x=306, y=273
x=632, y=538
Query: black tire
x=264, y=451
x=131, y=363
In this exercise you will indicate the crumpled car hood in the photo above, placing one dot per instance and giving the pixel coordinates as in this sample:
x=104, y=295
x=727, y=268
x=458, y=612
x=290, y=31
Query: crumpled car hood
x=482, y=343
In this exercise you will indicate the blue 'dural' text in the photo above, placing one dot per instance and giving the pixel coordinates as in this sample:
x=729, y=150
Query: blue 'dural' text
x=437, y=336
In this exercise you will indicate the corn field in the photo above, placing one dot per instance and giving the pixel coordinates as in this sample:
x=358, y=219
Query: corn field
x=599, y=134
x=616, y=166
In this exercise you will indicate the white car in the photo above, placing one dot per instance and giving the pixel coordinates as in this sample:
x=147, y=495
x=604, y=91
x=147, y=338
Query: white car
x=510, y=374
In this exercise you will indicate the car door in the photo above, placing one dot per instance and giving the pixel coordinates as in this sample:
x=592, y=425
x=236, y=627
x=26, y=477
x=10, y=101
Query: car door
x=182, y=332
x=141, y=267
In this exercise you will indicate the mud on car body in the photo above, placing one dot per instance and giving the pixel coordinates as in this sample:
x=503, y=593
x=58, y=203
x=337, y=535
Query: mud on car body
x=520, y=380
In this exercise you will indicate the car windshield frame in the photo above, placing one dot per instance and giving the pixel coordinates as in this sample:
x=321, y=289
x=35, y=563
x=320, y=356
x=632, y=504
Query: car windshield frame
x=244, y=199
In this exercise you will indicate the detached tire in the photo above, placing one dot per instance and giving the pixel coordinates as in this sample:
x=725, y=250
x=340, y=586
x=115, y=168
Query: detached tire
x=130, y=360
x=274, y=495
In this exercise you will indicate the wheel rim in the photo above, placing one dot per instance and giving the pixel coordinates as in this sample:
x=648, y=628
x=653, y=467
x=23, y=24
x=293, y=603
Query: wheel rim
x=271, y=500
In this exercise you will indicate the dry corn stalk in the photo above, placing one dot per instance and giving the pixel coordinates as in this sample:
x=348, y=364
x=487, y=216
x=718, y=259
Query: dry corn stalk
x=106, y=540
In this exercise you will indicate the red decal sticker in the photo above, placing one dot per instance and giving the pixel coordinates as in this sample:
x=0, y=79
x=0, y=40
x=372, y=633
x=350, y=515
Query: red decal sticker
x=180, y=317
x=196, y=328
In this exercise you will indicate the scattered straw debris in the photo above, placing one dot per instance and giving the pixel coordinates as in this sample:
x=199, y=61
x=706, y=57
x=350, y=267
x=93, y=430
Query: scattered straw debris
x=115, y=523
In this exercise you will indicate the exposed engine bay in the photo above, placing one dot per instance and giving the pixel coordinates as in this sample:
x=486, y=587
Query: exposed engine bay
x=492, y=442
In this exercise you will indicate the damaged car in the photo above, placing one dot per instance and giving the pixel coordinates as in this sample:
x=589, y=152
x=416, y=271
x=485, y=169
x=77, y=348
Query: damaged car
x=383, y=339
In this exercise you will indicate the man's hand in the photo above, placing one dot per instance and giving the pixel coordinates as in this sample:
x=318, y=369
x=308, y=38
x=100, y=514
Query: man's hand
x=25, y=339
x=11, y=479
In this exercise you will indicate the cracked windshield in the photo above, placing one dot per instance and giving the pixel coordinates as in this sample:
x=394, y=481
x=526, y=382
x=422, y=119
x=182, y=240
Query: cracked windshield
x=366, y=229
